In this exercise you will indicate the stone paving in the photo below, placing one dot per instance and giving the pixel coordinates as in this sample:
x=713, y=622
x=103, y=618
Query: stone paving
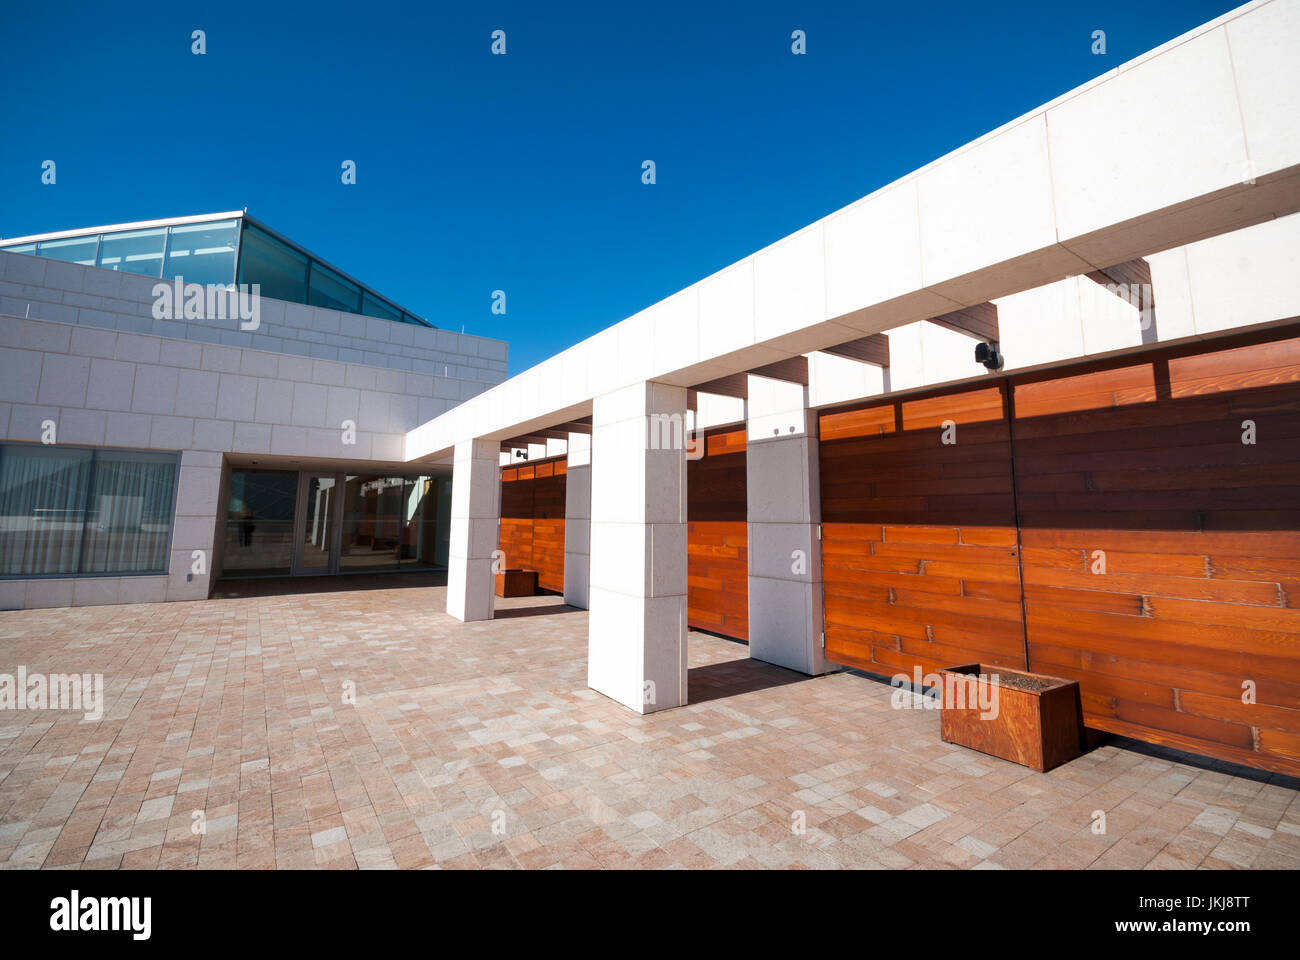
x=480, y=745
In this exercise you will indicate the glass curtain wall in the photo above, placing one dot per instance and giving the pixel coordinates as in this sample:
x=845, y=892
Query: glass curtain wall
x=328, y=289
x=80, y=250
x=349, y=523
x=135, y=251
x=318, y=530
x=279, y=269
x=202, y=252
x=198, y=252
x=389, y=523
x=221, y=253
x=286, y=273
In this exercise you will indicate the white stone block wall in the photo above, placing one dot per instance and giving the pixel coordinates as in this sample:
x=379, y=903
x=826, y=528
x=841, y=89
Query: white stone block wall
x=106, y=388
x=1237, y=279
x=834, y=379
x=111, y=300
x=80, y=346
x=716, y=411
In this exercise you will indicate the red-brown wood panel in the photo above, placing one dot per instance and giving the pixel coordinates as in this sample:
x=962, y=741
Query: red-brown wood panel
x=515, y=539
x=1161, y=554
x=532, y=520
x=548, y=525
x=717, y=538
x=919, y=541
x=1155, y=554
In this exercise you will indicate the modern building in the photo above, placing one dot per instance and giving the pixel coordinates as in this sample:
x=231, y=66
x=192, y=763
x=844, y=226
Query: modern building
x=220, y=248
x=1035, y=405
x=148, y=451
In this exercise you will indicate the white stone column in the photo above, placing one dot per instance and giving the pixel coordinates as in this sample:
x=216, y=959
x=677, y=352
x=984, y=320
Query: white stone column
x=637, y=643
x=577, y=520
x=198, y=498
x=475, y=524
x=784, y=511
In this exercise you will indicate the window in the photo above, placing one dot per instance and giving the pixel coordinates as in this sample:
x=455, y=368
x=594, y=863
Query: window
x=328, y=289
x=202, y=252
x=129, y=515
x=67, y=511
x=72, y=250
x=281, y=270
x=21, y=248
x=374, y=307
x=134, y=251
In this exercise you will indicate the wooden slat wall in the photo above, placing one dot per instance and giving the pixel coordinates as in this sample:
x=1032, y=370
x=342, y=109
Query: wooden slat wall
x=515, y=539
x=1142, y=459
x=548, y=524
x=532, y=519
x=918, y=537
x=1201, y=589
x=717, y=538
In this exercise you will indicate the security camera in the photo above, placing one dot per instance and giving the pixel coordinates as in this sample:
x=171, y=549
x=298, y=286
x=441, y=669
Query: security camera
x=989, y=355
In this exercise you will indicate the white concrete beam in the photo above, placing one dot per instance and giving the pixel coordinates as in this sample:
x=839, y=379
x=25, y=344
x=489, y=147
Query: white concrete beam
x=1059, y=192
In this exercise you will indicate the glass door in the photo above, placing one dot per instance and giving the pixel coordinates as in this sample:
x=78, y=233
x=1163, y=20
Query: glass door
x=316, y=547
x=259, y=534
x=361, y=522
x=374, y=522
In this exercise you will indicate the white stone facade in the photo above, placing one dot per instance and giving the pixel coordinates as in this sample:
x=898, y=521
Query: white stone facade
x=79, y=346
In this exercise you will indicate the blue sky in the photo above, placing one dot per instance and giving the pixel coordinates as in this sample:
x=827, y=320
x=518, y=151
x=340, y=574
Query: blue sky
x=522, y=172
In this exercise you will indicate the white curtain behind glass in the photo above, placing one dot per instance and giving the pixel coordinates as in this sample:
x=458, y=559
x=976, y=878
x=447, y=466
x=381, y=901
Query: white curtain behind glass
x=128, y=518
x=41, y=496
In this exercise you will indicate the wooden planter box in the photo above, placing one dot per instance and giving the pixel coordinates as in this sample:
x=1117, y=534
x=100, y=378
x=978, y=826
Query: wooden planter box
x=516, y=583
x=1038, y=721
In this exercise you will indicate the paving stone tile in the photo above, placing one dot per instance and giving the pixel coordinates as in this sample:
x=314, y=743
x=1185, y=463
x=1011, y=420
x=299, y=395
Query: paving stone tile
x=227, y=744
